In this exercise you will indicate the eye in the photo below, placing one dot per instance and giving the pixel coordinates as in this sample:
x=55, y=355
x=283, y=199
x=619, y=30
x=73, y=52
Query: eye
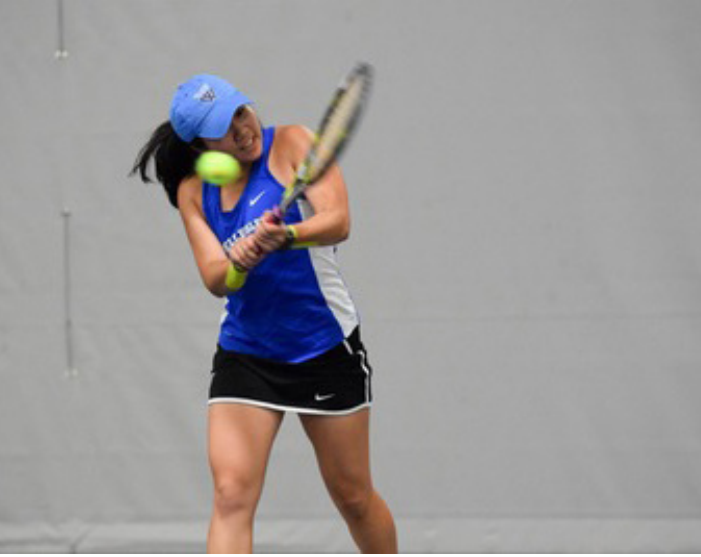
x=239, y=112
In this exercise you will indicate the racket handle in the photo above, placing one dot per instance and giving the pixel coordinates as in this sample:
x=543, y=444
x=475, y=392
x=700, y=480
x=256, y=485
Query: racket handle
x=235, y=279
x=277, y=214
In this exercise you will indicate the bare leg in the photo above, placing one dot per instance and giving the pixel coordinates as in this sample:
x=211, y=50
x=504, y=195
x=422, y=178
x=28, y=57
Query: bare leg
x=342, y=449
x=240, y=439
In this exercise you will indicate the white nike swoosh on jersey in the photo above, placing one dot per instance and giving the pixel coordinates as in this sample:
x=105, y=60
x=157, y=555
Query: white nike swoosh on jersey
x=256, y=198
x=319, y=397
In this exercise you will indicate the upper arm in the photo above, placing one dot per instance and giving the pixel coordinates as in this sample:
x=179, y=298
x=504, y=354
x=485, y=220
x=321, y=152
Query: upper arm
x=291, y=145
x=206, y=248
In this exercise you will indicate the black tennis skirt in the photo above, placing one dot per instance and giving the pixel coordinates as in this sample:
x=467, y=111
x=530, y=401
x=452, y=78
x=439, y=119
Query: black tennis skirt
x=336, y=382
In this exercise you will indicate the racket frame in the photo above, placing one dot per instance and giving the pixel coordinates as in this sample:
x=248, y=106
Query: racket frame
x=303, y=179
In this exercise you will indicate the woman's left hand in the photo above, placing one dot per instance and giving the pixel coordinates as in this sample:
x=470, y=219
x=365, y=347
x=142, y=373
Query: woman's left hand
x=271, y=234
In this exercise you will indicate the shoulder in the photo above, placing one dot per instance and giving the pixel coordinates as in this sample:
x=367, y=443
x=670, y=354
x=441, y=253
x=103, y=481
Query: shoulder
x=292, y=142
x=288, y=151
x=294, y=133
x=190, y=194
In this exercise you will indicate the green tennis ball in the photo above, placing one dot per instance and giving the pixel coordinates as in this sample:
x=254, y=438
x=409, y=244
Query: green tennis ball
x=217, y=168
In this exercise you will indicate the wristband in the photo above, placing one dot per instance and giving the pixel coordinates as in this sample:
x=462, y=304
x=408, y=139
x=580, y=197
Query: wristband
x=304, y=245
x=235, y=278
x=291, y=237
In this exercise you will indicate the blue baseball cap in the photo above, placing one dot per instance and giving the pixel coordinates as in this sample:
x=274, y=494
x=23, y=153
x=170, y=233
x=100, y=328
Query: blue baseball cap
x=203, y=106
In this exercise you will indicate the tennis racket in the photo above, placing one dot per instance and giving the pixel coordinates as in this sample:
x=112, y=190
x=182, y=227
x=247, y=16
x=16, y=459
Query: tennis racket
x=336, y=128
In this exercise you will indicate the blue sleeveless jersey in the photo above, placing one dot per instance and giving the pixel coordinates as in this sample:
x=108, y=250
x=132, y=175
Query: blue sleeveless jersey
x=294, y=304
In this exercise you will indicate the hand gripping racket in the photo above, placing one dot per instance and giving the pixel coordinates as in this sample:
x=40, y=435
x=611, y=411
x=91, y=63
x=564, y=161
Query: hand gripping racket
x=336, y=128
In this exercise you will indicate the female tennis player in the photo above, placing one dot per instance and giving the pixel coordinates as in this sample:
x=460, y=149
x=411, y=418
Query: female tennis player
x=289, y=340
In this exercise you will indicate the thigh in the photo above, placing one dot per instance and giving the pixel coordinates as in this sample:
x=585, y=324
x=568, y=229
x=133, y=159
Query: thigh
x=342, y=448
x=240, y=439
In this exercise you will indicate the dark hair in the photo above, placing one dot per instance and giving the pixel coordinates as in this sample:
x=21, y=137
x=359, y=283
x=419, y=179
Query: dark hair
x=174, y=159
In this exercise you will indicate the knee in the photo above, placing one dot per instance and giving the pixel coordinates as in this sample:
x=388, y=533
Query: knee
x=234, y=496
x=352, y=499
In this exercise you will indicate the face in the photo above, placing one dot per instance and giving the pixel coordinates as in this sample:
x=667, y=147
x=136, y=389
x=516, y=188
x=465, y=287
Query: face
x=244, y=140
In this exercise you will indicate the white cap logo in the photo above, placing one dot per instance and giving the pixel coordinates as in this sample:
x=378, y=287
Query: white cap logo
x=205, y=94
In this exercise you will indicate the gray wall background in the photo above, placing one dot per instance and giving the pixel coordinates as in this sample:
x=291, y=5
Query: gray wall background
x=525, y=254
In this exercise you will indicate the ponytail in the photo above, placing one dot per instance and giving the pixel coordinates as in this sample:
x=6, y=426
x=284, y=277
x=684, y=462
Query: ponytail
x=174, y=159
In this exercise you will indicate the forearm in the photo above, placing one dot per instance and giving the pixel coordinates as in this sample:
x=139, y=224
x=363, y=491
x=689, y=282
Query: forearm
x=325, y=228
x=214, y=277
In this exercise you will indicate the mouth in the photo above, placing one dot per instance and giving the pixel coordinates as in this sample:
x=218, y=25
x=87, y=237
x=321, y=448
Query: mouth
x=245, y=143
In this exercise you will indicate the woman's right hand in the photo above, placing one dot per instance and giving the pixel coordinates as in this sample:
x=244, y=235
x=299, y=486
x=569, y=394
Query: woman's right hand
x=246, y=254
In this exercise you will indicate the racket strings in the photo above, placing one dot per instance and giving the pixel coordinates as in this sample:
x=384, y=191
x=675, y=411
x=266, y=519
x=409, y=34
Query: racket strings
x=336, y=127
